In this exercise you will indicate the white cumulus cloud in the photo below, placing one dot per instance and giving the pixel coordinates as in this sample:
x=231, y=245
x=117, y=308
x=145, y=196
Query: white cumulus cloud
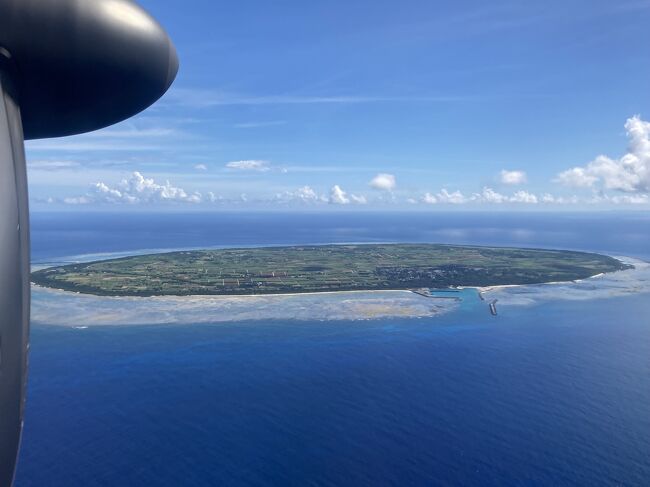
x=429, y=199
x=212, y=198
x=548, y=198
x=630, y=173
x=444, y=196
x=455, y=198
x=488, y=195
x=625, y=199
x=201, y=167
x=578, y=177
x=137, y=190
x=513, y=178
x=340, y=197
x=304, y=194
x=383, y=182
x=524, y=197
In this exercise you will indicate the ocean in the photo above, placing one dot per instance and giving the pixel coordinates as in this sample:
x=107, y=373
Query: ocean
x=552, y=393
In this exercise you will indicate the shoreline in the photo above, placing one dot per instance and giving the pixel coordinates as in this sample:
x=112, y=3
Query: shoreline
x=629, y=261
x=305, y=284
x=480, y=289
x=217, y=296
x=76, y=310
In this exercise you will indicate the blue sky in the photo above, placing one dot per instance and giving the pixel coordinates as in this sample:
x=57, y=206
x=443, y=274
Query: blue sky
x=378, y=104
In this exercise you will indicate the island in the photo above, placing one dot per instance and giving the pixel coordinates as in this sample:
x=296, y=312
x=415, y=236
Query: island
x=322, y=268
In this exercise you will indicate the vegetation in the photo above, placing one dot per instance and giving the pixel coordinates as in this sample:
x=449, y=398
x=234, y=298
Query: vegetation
x=321, y=268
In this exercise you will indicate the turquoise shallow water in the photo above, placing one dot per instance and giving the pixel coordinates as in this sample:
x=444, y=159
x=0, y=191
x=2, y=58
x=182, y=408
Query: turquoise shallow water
x=551, y=394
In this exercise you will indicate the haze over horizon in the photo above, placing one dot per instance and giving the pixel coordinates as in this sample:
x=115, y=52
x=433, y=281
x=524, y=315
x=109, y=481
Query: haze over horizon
x=293, y=106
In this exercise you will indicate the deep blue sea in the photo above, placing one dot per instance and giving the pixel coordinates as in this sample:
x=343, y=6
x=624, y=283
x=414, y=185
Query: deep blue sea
x=553, y=394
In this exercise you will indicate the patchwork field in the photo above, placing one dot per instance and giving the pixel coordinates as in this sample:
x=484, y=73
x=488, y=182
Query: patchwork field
x=322, y=268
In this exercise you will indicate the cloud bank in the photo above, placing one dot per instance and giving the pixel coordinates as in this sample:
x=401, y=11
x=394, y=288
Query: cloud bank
x=487, y=195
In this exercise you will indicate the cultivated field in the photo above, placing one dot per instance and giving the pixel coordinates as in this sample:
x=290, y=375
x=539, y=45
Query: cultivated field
x=321, y=268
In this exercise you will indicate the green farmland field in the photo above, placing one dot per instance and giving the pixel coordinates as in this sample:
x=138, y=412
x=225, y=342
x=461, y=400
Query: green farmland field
x=322, y=268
